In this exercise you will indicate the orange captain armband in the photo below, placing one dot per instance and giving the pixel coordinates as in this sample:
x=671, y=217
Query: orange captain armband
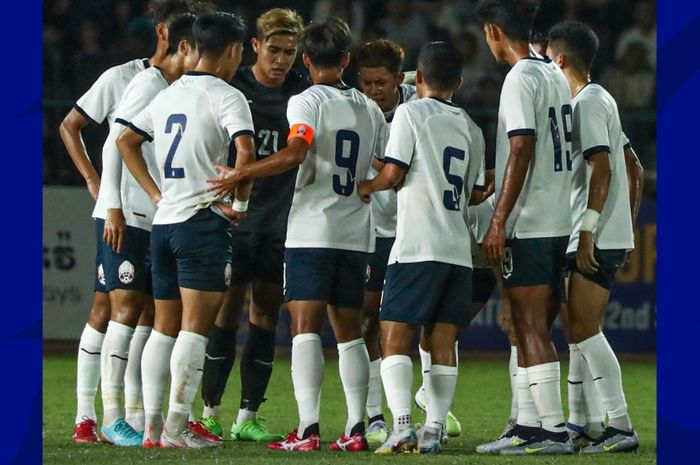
x=302, y=131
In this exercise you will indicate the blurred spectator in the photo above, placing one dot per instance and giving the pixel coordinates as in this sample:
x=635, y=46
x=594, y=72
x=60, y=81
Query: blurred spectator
x=353, y=12
x=644, y=32
x=406, y=28
x=631, y=82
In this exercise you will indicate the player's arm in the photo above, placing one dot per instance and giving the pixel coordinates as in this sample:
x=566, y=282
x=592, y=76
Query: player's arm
x=245, y=155
x=481, y=193
x=522, y=150
x=635, y=180
x=598, y=188
x=70, y=130
x=129, y=145
x=286, y=159
x=388, y=177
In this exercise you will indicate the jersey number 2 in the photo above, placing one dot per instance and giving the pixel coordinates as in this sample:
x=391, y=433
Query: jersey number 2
x=348, y=161
x=181, y=121
x=451, y=198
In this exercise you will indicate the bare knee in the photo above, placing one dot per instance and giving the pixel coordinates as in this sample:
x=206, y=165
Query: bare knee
x=100, y=312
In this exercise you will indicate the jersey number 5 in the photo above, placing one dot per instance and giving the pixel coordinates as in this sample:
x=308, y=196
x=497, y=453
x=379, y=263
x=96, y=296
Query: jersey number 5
x=451, y=198
x=556, y=140
x=181, y=121
x=348, y=161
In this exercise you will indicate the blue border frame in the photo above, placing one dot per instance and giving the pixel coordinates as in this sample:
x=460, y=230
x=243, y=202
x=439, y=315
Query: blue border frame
x=678, y=319
x=20, y=333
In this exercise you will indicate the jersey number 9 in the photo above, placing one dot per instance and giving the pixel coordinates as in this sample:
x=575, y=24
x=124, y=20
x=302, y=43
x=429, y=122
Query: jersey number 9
x=348, y=161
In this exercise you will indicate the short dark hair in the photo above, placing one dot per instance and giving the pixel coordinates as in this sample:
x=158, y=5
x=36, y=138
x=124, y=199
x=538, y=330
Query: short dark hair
x=214, y=32
x=441, y=65
x=514, y=17
x=577, y=41
x=180, y=29
x=326, y=42
x=381, y=53
x=165, y=11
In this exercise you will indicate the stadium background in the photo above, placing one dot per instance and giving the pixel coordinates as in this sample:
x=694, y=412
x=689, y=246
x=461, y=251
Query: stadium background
x=81, y=38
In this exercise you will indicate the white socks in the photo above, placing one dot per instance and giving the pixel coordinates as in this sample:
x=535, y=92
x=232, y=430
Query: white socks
x=544, y=386
x=115, y=354
x=577, y=406
x=397, y=378
x=442, y=384
x=245, y=415
x=88, y=376
x=607, y=378
x=186, y=369
x=425, y=362
x=155, y=371
x=214, y=411
x=513, y=375
x=527, y=411
x=374, y=394
x=595, y=410
x=133, y=394
x=353, y=364
x=307, y=376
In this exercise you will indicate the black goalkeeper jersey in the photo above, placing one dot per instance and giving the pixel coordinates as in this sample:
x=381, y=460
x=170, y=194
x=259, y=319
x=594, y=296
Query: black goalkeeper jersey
x=271, y=197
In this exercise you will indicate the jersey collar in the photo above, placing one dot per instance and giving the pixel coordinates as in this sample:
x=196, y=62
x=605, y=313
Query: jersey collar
x=199, y=73
x=446, y=102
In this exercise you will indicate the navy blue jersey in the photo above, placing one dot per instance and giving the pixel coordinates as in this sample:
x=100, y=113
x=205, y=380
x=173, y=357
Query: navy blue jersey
x=271, y=197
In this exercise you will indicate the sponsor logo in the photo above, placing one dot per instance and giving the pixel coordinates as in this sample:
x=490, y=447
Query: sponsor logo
x=126, y=272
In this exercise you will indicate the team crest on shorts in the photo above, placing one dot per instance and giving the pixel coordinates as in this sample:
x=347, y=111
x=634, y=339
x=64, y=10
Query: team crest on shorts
x=227, y=274
x=368, y=273
x=126, y=272
x=101, y=275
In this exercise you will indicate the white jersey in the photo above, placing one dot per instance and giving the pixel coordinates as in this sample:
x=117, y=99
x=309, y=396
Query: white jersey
x=384, y=202
x=192, y=123
x=536, y=100
x=118, y=188
x=348, y=130
x=597, y=128
x=441, y=149
x=101, y=100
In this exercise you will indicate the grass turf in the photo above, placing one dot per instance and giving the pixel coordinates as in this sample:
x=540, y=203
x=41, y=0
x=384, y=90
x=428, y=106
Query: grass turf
x=482, y=403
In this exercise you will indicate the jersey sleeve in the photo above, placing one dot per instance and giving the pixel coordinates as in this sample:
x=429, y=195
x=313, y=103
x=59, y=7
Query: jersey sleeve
x=476, y=173
x=381, y=135
x=626, y=144
x=142, y=123
x=591, y=120
x=234, y=114
x=402, y=139
x=138, y=95
x=518, y=98
x=101, y=99
x=302, y=115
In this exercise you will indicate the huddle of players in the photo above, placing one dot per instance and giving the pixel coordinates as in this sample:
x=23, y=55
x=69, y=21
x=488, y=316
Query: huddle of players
x=333, y=134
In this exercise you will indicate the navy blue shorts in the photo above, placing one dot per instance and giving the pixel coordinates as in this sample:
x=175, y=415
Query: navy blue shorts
x=609, y=261
x=377, y=263
x=131, y=268
x=536, y=262
x=194, y=254
x=427, y=292
x=100, y=280
x=331, y=275
x=257, y=256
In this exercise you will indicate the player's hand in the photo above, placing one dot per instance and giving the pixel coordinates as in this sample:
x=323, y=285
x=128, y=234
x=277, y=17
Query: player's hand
x=494, y=243
x=585, y=260
x=226, y=180
x=93, y=186
x=235, y=217
x=364, y=191
x=115, y=229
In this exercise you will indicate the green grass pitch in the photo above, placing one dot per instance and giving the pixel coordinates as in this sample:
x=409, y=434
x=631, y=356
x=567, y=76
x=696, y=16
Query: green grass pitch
x=482, y=403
